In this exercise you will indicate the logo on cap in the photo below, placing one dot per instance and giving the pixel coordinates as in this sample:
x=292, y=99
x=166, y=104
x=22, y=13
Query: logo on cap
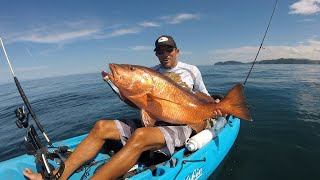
x=163, y=39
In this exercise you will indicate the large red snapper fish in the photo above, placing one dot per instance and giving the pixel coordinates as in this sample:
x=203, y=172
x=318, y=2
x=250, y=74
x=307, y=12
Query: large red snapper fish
x=163, y=99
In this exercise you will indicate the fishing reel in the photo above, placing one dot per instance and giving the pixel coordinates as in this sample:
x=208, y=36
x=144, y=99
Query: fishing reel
x=22, y=119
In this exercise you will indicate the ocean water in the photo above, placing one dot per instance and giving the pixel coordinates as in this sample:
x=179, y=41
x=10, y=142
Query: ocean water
x=283, y=141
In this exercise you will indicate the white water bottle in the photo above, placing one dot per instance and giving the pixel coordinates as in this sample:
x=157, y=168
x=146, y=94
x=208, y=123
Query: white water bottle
x=199, y=140
x=203, y=137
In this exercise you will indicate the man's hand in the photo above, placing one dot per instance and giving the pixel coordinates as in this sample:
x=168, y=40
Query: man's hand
x=218, y=113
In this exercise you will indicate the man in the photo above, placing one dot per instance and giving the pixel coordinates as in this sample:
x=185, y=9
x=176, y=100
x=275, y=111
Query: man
x=167, y=52
x=136, y=139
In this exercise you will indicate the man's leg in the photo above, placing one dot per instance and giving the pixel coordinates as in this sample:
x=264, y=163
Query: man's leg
x=146, y=138
x=87, y=149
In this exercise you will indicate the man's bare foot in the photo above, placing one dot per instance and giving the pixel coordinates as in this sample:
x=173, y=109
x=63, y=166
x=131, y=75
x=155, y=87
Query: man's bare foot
x=31, y=175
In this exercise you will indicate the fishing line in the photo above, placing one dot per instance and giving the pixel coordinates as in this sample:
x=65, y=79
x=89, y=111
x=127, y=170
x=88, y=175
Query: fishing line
x=274, y=8
x=30, y=54
x=24, y=97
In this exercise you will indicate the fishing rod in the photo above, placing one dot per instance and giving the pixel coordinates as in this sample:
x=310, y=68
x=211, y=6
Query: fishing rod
x=24, y=97
x=274, y=8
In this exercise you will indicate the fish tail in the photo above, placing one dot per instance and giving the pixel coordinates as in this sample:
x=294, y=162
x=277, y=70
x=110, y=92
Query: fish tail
x=235, y=103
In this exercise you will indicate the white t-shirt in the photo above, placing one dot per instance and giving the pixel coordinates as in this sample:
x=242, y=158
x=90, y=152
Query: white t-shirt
x=190, y=74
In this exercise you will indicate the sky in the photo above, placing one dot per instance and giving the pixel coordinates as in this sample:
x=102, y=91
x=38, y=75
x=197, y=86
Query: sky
x=54, y=38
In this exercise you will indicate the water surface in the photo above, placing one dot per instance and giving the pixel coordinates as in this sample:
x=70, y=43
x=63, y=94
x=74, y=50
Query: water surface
x=283, y=141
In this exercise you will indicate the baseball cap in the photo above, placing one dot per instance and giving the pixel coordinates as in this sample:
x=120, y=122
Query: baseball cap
x=164, y=40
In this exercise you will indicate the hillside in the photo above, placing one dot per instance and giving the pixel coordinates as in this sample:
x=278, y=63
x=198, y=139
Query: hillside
x=274, y=61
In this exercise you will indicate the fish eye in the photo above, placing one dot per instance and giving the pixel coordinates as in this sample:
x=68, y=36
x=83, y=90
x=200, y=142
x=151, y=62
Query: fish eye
x=131, y=68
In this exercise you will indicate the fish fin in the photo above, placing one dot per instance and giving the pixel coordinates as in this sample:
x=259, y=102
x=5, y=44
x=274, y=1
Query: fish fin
x=199, y=126
x=235, y=103
x=176, y=77
x=136, y=96
x=146, y=119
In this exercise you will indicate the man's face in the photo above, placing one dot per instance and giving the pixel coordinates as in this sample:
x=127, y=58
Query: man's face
x=168, y=56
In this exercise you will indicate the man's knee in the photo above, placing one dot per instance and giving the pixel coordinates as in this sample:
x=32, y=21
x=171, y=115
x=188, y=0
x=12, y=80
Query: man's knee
x=100, y=125
x=140, y=133
x=105, y=129
x=147, y=139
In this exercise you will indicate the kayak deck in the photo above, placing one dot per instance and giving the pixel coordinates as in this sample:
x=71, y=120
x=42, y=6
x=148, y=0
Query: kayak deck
x=182, y=165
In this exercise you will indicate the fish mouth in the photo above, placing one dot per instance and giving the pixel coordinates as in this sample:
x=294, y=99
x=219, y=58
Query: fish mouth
x=115, y=69
x=113, y=76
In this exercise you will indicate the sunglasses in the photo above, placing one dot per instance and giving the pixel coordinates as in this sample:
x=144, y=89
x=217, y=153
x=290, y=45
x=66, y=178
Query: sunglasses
x=161, y=51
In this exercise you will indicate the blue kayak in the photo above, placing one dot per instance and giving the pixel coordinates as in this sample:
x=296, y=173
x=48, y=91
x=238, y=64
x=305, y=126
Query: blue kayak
x=182, y=165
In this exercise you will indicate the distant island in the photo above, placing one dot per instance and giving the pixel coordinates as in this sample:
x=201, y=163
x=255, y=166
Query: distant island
x=273, y=61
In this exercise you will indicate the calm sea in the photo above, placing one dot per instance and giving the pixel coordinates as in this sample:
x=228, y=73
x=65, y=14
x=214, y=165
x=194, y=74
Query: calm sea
x=283, y=141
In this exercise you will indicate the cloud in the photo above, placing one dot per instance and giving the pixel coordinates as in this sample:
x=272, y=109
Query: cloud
x=55, y=33
x=305, y=7
x=55, y=37
x=306, y=20
x=124, y=31
x=149, y=24
x=307, y=50
x=60, y=36
x=70, y=31
x=179, y=18
x=141, y=48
